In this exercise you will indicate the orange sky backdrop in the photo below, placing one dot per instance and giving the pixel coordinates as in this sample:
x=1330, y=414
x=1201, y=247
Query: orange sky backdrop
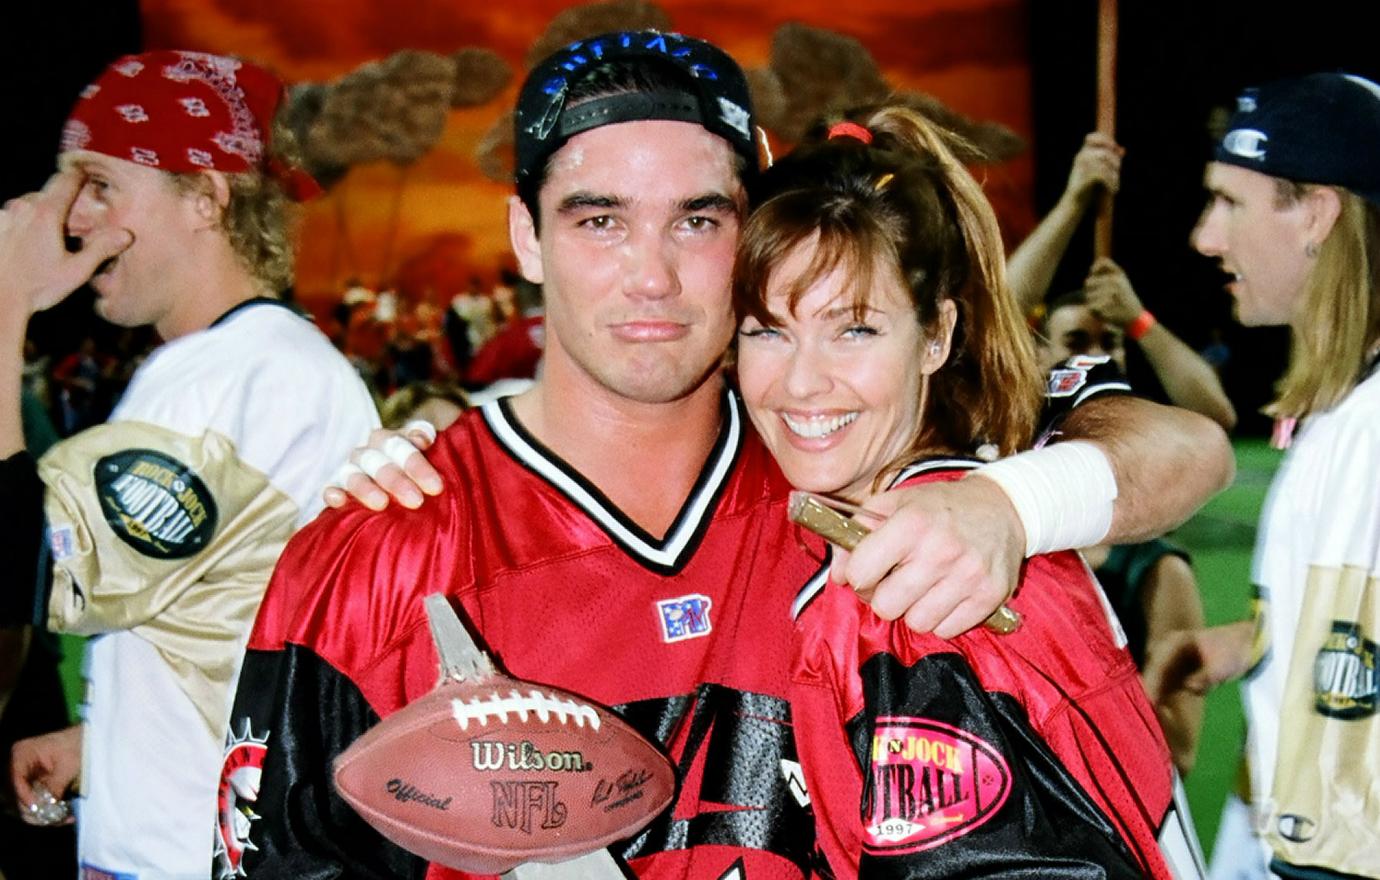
x=970, y=54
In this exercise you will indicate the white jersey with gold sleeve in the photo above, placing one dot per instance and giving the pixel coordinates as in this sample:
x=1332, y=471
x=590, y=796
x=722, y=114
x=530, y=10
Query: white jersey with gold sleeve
x=164, y=526
x=1314, y=736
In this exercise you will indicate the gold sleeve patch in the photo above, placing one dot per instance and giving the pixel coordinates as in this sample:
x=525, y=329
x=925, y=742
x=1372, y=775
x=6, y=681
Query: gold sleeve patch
x=170, y=536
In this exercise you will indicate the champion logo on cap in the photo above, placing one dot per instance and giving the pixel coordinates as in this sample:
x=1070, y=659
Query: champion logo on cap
x=1248, y=143
x=1321, y=129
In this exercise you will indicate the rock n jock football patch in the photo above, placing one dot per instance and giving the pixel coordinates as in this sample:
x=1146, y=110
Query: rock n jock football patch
x=928, y=783
x=155, y=503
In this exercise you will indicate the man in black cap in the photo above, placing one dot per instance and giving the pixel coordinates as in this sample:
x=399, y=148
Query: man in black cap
x=1293, y=216
x=618, y=530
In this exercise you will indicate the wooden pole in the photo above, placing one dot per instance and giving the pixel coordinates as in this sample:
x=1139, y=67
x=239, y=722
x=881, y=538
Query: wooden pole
x=1106, y=113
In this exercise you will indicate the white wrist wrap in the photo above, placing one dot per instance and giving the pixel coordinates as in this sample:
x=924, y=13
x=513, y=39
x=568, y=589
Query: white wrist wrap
x=1063, y=494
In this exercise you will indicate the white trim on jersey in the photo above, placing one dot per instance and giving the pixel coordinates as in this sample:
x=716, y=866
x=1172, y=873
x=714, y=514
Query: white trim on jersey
x=1099, y=389
x=812, y=586
x=925, y=466
x=668, y=553
x=1178, y=840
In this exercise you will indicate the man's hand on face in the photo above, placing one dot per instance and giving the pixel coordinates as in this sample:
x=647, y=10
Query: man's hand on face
x=36, y=268
x=945, y=557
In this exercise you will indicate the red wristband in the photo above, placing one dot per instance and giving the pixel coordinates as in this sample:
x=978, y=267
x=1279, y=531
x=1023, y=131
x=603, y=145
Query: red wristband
x=1141, y=325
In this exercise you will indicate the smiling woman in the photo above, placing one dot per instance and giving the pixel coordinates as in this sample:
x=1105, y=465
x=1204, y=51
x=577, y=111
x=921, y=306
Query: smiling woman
x=879, y=346
x=836, y=387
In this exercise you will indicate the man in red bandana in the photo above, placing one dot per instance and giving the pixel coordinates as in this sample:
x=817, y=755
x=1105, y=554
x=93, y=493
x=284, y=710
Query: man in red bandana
x=156, y=533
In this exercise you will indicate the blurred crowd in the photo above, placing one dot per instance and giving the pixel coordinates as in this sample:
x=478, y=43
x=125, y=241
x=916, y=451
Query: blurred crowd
x=487, y=340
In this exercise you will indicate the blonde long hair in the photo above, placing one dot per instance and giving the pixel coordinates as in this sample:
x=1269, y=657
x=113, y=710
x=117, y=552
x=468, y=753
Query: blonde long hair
x=1340, y=318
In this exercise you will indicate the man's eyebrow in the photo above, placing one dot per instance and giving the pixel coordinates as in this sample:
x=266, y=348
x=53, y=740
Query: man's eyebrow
x=583, y=201
x=710, y=203
x=67, y=163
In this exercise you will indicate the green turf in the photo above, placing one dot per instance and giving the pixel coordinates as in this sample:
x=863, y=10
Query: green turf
x=1219, y=539
x=71, y=670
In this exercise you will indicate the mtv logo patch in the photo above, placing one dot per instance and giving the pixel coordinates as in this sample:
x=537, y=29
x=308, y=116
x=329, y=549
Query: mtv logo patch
x=1063, y=383
x=685, y=617
x=62, y=543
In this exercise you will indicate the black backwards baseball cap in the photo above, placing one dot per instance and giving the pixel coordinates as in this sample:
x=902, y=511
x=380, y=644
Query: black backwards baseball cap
x=1320, y=128
x=717, y=96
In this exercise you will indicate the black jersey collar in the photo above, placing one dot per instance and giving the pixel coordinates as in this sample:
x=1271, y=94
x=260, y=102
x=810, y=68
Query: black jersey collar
x=256, y=301
x=664, y=555
x=931, y=465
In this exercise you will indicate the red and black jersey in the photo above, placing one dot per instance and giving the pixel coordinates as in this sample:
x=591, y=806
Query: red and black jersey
x=1033, y=754
x=1072, y=383
x=687, y=636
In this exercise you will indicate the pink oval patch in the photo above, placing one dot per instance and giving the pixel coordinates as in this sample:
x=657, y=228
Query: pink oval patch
x=928, y=783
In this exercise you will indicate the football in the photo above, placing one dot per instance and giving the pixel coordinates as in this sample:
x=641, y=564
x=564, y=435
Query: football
x=484, y=774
